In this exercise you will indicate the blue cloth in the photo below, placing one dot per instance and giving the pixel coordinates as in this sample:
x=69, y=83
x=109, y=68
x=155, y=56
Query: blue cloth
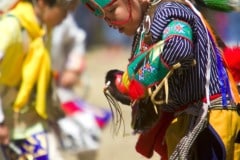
x=208, y=146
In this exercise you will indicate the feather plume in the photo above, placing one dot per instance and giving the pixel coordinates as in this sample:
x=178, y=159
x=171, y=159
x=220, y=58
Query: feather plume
x=232, y=61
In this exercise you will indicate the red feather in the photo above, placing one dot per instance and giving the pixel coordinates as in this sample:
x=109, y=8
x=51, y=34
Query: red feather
x=232, y=60
x=136, y=90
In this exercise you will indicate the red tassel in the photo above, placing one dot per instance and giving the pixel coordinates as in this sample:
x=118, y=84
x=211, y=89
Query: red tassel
x=232, y=61
x=136, y=90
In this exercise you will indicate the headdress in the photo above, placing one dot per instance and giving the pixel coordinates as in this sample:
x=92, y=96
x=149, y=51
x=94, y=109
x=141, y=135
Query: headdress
x=97, y=6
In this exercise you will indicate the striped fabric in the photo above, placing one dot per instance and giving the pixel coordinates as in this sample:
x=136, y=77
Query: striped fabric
x=187, y=84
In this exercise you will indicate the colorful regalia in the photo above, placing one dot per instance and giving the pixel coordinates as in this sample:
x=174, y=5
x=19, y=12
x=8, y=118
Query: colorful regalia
x=183, y=97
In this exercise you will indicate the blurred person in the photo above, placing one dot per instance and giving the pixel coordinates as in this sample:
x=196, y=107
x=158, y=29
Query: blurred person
x=68, y=48
x=68, y=63
x=25, y=78
x=184, y=102
x=68, y=43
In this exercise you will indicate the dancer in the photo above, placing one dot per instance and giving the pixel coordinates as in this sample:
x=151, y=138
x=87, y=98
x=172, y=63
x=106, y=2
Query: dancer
x=184, y=100
x=25, y=76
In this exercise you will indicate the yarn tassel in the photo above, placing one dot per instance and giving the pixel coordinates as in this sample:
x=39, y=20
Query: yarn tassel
x=232, y=60
x=136, y=90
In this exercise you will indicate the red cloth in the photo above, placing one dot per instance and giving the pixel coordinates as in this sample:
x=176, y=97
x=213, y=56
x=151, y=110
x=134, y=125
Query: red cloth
x=136, y=90
x=70, y=107
x=154, y=138
x=232, y=60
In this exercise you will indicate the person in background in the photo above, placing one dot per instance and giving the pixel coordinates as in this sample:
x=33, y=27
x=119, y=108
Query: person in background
x=68, y=42
x=184, y=102
x=68, y=48
x=25, y=78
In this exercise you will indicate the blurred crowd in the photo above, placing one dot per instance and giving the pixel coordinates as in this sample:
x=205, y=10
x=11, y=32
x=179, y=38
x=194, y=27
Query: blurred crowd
x=41, y=114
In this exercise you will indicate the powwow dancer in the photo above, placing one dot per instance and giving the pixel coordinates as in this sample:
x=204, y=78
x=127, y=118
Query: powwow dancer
x=184, y=101
x=25, y=75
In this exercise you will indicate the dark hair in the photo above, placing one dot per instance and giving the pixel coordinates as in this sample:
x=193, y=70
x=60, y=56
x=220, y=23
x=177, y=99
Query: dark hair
x=50, y=3
x=66, y=4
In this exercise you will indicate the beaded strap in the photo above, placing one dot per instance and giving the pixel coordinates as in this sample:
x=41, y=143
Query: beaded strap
x=177, y=28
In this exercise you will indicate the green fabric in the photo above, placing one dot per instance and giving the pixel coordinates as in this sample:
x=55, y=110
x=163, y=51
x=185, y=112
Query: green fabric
x=223, y=5
x=177, y=28
x=147, y=68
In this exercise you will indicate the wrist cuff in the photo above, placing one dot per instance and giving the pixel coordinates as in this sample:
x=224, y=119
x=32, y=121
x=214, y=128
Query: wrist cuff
x=147, y=67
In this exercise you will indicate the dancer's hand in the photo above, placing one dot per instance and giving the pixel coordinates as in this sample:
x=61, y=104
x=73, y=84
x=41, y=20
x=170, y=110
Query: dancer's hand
x=69, y=78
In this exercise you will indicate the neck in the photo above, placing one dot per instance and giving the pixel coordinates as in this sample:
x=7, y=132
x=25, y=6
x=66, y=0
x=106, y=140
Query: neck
x=148, y=9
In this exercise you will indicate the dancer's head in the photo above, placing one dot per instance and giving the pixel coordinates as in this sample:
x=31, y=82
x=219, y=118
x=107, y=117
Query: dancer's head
x=52, y=12
x=123, y=15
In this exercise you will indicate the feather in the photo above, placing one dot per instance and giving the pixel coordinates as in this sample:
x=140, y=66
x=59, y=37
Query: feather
x=136, y=90
x=232, y=61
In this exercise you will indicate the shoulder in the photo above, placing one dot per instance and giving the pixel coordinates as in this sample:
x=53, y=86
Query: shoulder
x=165, y=13
x=166, y=9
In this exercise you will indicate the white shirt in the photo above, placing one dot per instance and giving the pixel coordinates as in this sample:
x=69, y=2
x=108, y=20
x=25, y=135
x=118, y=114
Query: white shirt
x=68, y=45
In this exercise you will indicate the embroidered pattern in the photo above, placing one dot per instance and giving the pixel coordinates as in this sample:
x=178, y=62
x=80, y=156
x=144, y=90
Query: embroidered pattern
x=177, y=28
x=152, y=70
